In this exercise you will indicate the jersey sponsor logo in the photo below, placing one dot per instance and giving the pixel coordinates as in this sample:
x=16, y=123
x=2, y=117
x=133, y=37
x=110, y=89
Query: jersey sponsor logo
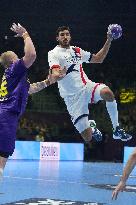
x=50, y=150
x=77, y=52
x=75, y=56
x=52, y=202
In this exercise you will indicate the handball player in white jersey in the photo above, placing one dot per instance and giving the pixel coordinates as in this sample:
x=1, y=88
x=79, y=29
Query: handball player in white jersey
x=77, y=90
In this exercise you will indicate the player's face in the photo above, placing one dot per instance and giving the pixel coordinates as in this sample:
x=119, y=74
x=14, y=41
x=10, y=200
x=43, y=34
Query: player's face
x=64, y=38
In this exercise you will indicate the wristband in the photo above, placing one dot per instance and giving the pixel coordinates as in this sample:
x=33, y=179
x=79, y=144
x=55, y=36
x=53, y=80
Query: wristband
x=25, y=35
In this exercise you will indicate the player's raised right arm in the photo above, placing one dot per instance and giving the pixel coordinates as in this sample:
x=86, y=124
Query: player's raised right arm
x=29, y=49
x=101, y=55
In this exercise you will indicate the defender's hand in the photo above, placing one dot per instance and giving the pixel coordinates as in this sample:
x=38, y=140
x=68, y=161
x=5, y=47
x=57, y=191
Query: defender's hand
x=18, y=29
x=52, y=79
x=56, y=74
x=62, y=72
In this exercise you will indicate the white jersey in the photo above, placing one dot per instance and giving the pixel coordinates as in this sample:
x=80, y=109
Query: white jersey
x=72, y=58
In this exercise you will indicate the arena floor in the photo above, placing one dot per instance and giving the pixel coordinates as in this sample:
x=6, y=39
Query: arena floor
x=29, y=182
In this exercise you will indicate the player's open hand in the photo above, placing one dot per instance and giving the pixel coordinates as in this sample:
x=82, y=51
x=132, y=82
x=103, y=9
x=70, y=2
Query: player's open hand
x=62, y=72
x=58, y=74
x=120, y=188
x=18, y=29
x=52, y=79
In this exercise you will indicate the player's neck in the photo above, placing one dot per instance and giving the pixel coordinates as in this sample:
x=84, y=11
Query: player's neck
x=66, y=47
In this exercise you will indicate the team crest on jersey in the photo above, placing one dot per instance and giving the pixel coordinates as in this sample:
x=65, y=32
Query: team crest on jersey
x=75, y=56
x=77, y=52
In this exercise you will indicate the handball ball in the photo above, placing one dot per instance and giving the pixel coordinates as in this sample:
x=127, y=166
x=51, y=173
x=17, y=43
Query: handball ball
x=115, y=30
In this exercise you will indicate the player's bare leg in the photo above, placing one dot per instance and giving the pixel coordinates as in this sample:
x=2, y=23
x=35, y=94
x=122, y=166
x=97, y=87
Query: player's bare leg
x=91, y=132
x=111, y=105
x=3, y=161
x=87, y=134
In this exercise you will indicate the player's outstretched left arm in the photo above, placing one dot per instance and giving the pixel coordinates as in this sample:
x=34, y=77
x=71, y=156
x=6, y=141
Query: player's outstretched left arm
x=38, y=86
x=51, y=79
x=101, y=55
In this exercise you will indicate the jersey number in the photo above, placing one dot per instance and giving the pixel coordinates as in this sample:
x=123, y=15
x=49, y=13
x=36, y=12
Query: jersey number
x=3, y=89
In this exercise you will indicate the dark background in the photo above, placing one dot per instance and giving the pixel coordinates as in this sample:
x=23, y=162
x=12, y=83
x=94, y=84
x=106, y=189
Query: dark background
x=87, y=19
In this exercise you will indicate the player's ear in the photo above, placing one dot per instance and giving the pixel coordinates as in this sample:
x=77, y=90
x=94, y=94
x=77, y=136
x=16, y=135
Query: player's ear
x=57, y=39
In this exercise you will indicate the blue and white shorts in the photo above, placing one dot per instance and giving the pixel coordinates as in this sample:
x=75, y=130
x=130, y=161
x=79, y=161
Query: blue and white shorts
x=77, y=105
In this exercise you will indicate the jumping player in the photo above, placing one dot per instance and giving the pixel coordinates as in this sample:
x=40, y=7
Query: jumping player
x=77, y=90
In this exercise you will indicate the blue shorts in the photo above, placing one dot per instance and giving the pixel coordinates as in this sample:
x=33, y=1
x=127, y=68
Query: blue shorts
x=8, y=128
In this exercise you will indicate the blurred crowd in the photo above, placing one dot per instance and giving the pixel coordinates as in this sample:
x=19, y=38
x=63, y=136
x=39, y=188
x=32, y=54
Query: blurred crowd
x=62, y=130
x=34, y=129
x=43, y=128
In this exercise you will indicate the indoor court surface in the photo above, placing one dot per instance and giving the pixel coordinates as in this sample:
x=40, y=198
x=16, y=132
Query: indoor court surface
x=62, y=182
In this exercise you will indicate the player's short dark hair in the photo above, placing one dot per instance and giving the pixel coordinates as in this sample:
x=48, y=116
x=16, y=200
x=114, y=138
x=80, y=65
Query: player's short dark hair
x=62, y=28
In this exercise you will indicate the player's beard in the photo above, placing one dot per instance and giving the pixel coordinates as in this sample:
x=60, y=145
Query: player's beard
x=65, y=44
